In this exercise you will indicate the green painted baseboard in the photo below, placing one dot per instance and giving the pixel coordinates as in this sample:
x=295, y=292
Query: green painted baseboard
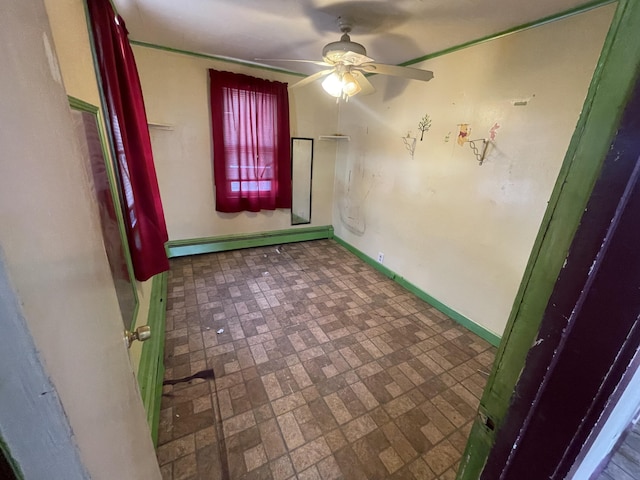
x=482, y=332
x=151, y=369
x=195, y=246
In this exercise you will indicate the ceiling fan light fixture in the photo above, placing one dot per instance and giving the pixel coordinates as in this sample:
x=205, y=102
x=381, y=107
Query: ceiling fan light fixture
x=349, y=85
x=341, y=84
x=333, y=85
x=350, y=66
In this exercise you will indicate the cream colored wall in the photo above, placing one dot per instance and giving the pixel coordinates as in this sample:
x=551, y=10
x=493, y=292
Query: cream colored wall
x=55, y=258
x=73, y=49
x=459, y=231
x=175, y=88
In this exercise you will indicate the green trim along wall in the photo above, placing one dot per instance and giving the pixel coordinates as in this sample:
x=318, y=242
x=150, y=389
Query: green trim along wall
x=151, y=369
x=490, y=337
x=180, y=248
x=537, y=23
x=215, y=57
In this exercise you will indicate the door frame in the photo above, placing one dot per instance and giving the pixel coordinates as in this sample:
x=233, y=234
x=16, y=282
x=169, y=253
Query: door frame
x=590, y=332
x=612, y=82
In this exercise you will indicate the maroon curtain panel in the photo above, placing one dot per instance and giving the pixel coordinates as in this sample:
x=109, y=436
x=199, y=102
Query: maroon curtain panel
x=143, y=213
x=251, y=144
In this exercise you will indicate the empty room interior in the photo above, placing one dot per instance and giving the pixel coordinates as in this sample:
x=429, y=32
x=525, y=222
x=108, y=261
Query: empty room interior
x=372, y=314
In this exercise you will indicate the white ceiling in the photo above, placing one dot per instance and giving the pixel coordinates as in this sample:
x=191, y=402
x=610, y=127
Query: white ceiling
x=392, y=31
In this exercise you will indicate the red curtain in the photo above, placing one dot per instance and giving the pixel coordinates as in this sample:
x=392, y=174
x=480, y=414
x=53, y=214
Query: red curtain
x=144, y=217
x=251, y=145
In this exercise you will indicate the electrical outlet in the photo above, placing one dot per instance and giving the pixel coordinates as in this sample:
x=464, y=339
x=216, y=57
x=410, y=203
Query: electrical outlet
x=380, y=257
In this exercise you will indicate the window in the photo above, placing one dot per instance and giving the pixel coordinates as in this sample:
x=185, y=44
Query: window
x=251, y=149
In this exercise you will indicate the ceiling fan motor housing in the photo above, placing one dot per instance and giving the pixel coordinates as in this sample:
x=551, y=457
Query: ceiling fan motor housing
x=333, y=51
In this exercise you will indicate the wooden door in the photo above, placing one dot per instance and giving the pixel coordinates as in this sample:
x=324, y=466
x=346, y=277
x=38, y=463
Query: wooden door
x=70, y=404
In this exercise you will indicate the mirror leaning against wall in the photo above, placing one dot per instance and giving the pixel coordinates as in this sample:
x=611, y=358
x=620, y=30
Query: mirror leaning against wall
x=92, y=145
x=301, y=179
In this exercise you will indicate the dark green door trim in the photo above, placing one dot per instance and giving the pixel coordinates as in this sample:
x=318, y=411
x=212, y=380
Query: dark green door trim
x=9, y=468
x=562, y=388
x=151, y=368
x=610, y=88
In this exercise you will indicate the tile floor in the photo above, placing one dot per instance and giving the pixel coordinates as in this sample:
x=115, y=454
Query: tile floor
x=325, y=370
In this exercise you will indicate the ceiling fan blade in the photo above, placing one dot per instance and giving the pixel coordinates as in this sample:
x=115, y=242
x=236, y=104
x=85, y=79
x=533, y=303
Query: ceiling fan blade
x=405, y=72
x=312, y=78
x=324, y=64
x=365, y=84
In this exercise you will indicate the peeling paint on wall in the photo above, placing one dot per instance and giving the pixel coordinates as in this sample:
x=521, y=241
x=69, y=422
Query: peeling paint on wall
x=359, y=184
x=54, y=68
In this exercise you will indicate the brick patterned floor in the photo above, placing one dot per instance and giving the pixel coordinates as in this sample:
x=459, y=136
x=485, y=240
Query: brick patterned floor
x=325, y=370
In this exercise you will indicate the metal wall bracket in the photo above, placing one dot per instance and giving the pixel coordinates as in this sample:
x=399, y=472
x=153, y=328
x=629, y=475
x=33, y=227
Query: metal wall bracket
x=479, y=152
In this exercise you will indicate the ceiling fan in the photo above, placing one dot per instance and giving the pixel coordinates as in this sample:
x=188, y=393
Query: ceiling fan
x=349, y=64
